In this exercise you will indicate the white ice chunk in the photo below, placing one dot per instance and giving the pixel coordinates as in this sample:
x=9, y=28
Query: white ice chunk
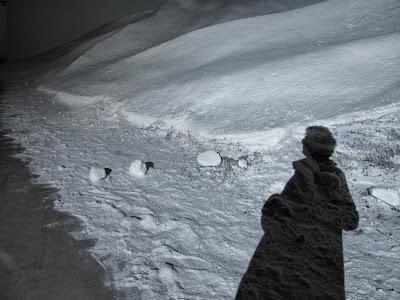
x=138, y=168
x=242, y=163
x=97, y=174
x=209, y=159
x=386, y=194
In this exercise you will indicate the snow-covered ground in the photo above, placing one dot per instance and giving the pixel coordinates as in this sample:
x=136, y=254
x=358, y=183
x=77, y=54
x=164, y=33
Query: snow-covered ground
x=247, y=89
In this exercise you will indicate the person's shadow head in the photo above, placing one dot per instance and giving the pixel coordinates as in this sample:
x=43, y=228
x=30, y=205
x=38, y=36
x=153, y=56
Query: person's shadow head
x=300, y=255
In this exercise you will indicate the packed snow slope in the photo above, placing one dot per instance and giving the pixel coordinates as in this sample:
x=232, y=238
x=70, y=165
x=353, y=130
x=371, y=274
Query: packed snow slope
x=240, y=79
x=117, y=41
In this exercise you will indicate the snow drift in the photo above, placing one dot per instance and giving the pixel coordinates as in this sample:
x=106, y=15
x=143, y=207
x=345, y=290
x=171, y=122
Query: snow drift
x=240, y=80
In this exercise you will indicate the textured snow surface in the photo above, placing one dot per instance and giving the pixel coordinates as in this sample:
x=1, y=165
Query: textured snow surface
x=283, y=69
x=188, y=232
x=209, y=158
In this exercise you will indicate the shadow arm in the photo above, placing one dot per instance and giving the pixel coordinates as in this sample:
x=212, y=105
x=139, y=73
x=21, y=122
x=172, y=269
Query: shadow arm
x=348, y=210
x=274, y=208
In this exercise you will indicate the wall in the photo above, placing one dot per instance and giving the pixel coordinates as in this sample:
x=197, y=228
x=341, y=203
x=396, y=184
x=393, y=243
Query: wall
x=3, y=36
x=35, y=26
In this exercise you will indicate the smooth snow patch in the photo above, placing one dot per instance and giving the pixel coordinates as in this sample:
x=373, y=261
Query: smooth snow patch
x=97, y=174
x=389, y=195
x=138, y=168
x=139, y=119
x=209, y=159
x=60, y=168
x=73, y=99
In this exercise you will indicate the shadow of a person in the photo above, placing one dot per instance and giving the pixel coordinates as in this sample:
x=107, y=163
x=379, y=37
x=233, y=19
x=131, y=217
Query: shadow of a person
x=300, y=255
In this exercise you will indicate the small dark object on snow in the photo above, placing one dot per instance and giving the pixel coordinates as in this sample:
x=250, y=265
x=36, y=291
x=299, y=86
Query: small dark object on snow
x=108, y=171
x=303, y=225
x=149, y=165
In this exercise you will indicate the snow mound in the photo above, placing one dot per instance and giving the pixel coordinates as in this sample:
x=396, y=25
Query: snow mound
x=242, y=163
x=97, y=174
x=388, y=195
x=138, y=168
x=177, y=17
x=209, y=159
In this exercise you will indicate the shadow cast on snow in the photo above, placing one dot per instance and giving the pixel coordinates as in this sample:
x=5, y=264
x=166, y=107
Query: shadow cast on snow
x=38, y=257
x=300, y=255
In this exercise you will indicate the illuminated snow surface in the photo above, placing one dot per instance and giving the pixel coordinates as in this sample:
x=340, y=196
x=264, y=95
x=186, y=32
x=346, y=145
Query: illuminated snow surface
x=209, y=158
x=246, y=88
x=284, y=69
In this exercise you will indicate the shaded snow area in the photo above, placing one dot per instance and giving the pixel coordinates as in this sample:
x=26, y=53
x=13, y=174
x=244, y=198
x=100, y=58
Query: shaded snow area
x=172, y=19
x=140, y=117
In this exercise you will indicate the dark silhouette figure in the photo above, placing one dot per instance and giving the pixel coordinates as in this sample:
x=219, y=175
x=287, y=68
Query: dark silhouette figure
x=300, y=255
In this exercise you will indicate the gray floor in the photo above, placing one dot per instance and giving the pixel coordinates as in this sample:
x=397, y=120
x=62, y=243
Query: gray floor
x=39, y=261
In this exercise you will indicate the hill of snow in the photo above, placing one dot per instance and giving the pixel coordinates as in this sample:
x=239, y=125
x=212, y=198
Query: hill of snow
x=172, y=19
x=238, y=80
